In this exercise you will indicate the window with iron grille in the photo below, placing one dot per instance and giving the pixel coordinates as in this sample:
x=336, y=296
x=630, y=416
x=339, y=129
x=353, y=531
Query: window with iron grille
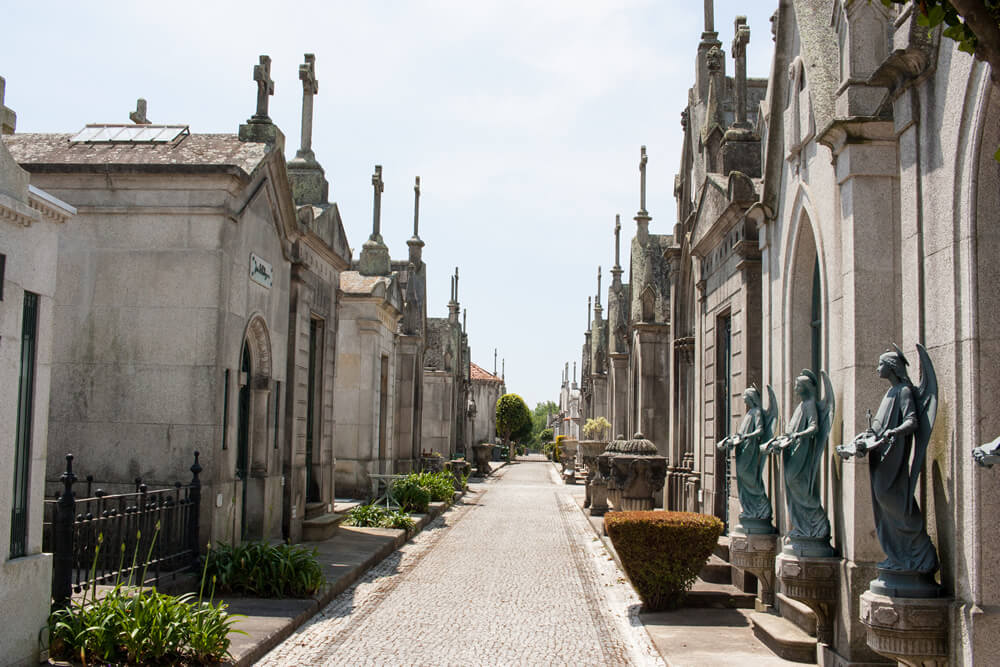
x=25, y=412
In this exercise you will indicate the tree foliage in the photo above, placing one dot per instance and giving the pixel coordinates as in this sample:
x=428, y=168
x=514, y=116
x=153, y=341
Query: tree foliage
x=546, y=435
x=512, y=416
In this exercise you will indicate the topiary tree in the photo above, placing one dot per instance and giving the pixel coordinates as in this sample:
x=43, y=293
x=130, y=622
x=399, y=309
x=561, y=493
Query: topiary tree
x=546, y=435
x=512, y=414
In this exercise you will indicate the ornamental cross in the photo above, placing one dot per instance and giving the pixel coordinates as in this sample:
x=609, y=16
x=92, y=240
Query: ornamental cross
x=378, y=185
x=598, y=299
x=741, y=37
x=310, y=87
x=139, y=115
x=265, y=87
x=618, y=239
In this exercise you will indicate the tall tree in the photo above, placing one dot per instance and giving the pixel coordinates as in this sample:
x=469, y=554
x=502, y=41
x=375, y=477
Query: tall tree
x=512, y=416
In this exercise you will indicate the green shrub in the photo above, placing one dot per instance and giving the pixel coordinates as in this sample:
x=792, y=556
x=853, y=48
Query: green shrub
x=662, y=552
x=411, y=495
x=265, y=570
x=138, y=625
x=376, y=516
x=441, y=485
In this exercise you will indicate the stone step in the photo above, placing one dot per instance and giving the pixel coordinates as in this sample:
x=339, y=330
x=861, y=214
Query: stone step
x=716, y=571
x=796, y=612
x=314, y=510
x=722, y=548
x=321, y=528
x=708, y=595
x=786, y=639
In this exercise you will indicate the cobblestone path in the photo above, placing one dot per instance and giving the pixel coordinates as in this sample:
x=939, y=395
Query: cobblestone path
x=515, y=576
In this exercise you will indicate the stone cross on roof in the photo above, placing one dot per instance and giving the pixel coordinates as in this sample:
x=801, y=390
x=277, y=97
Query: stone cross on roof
x=709, y=16
x=378, y=185
x=456, y=284
x=8, y=119
x=642, y=181
x=416, y=208
x=590, y=309
x=494, y=361
x=310, y=87
x=265, y=88
x=139, y=115
x=741, y=37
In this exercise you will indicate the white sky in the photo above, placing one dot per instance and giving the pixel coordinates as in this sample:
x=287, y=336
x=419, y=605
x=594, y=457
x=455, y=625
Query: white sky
x=523, y=119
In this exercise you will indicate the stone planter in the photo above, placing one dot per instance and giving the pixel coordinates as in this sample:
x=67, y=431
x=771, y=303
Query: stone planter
x=589, y=450
x=482, y=454
x=459, y=468
x=431, y=463
x=636, y=473
x=567, y=456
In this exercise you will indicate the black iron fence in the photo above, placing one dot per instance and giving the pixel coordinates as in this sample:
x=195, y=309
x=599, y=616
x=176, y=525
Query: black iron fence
x=103, y=539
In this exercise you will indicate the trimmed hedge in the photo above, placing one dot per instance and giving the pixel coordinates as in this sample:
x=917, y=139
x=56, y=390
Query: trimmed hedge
x=662, y=552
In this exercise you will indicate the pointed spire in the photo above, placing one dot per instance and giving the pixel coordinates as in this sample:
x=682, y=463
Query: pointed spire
x=416, y=208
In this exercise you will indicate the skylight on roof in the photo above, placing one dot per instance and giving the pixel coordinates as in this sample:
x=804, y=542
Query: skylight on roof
x=131, y=134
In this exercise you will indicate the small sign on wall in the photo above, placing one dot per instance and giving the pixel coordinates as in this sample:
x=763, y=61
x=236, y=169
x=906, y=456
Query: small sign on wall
x=261, y=271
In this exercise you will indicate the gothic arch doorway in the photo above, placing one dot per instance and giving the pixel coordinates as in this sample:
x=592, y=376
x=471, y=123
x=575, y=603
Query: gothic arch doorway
x=252, y=427
x=805, y=303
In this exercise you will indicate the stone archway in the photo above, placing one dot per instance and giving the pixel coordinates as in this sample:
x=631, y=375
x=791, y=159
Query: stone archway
x=252, y=426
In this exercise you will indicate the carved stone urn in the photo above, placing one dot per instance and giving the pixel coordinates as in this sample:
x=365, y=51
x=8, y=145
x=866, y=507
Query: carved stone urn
x=482, y=453
x=637, y=473
x=911, y=631
x=812, y=580
x=567, y=456
x=459, y=468
x=589, y=451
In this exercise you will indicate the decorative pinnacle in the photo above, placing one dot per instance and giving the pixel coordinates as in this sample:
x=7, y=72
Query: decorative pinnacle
x=378, y=186
x=590, y=309
x=618, y=241
x=643, y=159
x=597, y=299
x=416, y=208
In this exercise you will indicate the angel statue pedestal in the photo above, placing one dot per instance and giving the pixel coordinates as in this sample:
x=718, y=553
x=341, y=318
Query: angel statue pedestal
x=752, y=545
x=808, y=566
x=903, y=610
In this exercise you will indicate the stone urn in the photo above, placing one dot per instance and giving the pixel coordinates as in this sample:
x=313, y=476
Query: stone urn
x=638, y=473
x=588, y=451
x=567, y=456
x=459, y=468
x=431, y=463
x=482, y=454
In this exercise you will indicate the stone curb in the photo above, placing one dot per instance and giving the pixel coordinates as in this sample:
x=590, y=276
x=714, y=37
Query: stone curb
x=339, y=585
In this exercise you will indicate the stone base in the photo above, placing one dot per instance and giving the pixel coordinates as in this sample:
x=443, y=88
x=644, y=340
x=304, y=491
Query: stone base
x=636, y=504
x=754, y=553
x=598, y=496
x=813, y=582
x=912, y=631
x=809, y=547
x=749, y=526
x=263, y=133
x=893, y=583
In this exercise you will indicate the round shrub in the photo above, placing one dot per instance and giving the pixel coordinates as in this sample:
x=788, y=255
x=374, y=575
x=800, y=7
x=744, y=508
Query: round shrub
x=662, y=552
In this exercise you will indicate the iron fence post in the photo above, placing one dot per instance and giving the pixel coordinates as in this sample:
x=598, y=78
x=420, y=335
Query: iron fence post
x=194, y=541
x=62, y=540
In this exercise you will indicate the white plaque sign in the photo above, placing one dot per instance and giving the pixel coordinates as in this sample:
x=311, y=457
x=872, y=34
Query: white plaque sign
x=261, y=272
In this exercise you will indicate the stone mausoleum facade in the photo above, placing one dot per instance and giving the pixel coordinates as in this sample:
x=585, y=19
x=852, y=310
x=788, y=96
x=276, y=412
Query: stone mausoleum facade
x=839, y=206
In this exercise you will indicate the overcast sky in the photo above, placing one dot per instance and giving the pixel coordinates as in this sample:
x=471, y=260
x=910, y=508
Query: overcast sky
x=523, y=119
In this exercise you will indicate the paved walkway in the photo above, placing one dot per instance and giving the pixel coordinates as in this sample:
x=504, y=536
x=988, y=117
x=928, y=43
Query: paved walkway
x=513, y=576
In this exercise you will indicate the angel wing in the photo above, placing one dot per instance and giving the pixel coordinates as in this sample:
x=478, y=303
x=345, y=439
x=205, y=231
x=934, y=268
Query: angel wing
x=770, y=416
x=927, y=400
x=827, y=409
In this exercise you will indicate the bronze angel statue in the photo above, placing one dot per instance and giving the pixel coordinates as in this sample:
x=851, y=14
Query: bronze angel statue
x=896, y=445
x=802, y=446
x=757, y=427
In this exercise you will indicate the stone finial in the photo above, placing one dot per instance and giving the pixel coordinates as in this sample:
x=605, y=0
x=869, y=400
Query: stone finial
x=139, y=115
x=378, y=185
x=709, y=16
x=456, y=283
x=597, y=299
x=494, y=361
x=741, y=38
x=465, y=321
x=8, y=119
x=416, y=208
x=265, y=88
x=310, y=87
x=574, y=372
x=590, y=310
x=642, y=180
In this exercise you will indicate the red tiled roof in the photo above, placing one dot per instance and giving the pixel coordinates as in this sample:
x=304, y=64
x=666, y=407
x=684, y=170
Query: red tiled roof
x=478, y=373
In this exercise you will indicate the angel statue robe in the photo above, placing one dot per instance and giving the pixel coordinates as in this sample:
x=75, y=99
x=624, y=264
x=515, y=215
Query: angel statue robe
x=899, y=522
x=801, y=462
x=749, y=466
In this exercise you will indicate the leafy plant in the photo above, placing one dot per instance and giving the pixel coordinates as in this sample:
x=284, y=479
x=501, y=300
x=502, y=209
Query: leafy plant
x=376, y=516
x=511, y=415
x=441, y=485
x=411, y=495
x=662, y=552
x=265, y=570
x=545, y=436
x=597, y=429
x=139, y=625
